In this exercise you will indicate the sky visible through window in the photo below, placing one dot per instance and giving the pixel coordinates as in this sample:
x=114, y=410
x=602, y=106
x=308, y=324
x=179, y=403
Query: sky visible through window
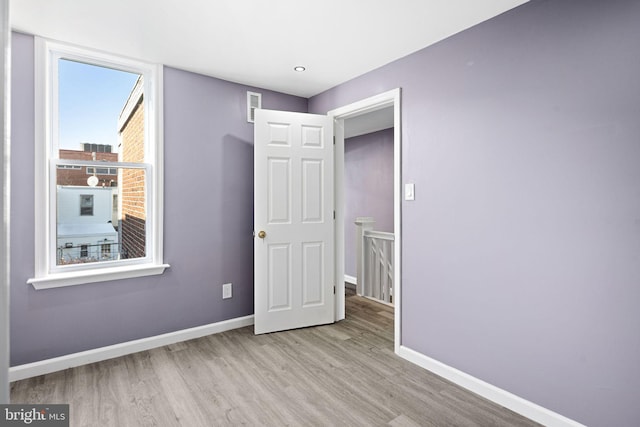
x=90, y=101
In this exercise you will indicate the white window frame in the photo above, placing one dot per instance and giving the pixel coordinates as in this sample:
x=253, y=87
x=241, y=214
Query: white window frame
x=47, y=273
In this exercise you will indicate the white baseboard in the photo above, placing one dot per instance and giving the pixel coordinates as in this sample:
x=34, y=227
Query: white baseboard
x=350, y=279
x=42, y=367
x=508, y=400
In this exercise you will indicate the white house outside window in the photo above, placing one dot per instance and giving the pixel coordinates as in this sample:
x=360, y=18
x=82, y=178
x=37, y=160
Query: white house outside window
x=95, y=148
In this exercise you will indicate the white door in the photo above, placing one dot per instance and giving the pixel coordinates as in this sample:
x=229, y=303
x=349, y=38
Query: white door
x=293, y=221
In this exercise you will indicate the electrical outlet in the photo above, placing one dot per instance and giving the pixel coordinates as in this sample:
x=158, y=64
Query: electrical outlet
x=226, y=290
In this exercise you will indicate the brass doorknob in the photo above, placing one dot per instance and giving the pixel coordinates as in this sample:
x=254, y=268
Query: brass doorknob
x=262, y=234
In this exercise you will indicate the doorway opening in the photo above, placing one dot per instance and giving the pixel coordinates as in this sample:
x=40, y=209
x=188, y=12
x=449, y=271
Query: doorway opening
x=380, y=111
x=318, y=176
x=368, y=199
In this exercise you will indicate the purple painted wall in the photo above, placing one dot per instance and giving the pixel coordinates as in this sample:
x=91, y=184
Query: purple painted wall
x=521, y=252
x=207, y=227
x=368, y=187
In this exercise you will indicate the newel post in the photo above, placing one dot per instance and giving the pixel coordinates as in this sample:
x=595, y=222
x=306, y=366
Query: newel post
x=363, y=223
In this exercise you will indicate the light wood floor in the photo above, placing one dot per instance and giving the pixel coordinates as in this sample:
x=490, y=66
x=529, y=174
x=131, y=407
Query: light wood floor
x=344, y=374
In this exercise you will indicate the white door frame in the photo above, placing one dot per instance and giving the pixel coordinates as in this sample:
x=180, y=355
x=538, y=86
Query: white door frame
x=368, y=105
x=5, y=40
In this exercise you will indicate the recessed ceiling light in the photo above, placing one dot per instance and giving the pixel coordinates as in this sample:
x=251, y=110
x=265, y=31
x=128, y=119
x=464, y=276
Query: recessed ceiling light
x=299, y=68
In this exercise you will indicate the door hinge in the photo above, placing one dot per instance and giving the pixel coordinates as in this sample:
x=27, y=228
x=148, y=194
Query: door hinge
x=334, y=140
x=334, y=214
x=334, y=289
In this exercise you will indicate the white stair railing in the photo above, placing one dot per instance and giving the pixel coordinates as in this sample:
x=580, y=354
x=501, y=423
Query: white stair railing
x=374, y=261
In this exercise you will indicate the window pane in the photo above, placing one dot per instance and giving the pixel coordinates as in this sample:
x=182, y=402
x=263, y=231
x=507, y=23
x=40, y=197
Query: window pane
x=92, y=227
x=91, y=99
x=101, y=210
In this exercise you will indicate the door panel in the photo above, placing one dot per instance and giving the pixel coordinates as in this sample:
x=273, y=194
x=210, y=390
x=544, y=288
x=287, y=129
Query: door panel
x=279, y=282
x=312, y=274
x=293, y=206
x=279, y=191
x=312, y=191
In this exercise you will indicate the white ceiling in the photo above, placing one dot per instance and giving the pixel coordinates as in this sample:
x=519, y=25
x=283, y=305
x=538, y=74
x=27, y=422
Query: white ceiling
x=258, y=42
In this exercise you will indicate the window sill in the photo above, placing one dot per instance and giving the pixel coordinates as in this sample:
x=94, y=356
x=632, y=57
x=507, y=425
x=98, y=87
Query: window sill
x=99, y=275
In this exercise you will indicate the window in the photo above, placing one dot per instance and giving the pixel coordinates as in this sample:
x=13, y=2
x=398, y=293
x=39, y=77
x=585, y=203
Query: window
x=116, y=105
x=102, y=171
x=105, y=250
x=86, y=204
x=96, y=148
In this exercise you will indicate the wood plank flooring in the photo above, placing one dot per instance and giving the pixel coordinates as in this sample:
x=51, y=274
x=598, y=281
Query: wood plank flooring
x=344, y=374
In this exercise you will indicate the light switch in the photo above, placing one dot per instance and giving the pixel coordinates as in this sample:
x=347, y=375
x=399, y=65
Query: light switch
x=409, y=191
x=226, y=290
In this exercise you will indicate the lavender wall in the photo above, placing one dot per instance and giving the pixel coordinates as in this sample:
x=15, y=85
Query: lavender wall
x=521, y=252
x=368, y=187
x=208, y=224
